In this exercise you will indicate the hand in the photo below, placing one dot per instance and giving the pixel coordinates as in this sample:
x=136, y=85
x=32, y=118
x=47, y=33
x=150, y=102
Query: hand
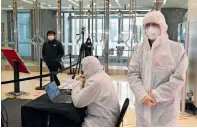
x=82, y=79
x=148, y=101
x=78, y=77
x=153, y=98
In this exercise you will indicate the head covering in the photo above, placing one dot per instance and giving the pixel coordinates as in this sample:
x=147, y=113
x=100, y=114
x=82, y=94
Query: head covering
x=158, y=18
x=88, y=40
x=90, y=65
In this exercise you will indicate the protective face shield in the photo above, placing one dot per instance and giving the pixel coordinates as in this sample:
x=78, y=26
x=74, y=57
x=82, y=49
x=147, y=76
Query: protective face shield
x=152, y=32
x=51, y=38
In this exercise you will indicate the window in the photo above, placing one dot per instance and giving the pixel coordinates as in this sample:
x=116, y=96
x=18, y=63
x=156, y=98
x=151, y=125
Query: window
x=24, y=33
x=113, y=29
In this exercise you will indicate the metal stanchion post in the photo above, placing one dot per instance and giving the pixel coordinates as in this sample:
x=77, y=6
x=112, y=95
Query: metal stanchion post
x=51, y=77
x=16, y=77
x=70, y=63
x=70, y=58
x=40, y=72
x=40, y=87
x=17, y=91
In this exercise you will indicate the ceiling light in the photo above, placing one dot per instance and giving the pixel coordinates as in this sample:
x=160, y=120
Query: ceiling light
x=21, y=6
x=110, y=5
x=73, y=2
x=28, y=1
x=49, y=5
x=70, y=5
x=164, y=2
x=94, y=3
x=76, y=0
x=118, y=3
x=88, y=5
x=9, y=6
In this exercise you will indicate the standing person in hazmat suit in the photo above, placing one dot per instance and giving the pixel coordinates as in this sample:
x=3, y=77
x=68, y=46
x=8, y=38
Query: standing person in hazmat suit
x=98, y=95
x=157, y=73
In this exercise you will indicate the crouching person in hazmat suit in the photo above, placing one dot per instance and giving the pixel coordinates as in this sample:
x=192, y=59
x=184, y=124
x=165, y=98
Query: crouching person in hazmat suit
x=157, y=73
x=98, y=94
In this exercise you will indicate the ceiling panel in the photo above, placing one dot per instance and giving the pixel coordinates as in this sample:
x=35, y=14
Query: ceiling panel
x=66, y=4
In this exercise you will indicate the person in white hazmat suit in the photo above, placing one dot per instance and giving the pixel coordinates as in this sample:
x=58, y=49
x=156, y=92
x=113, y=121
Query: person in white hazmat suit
x=98, y=94
x=157, y=73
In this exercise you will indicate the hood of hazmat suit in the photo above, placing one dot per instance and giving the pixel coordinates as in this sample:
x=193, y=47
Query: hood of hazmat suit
x=90, y=65
x=98, y=95
x=160, y=70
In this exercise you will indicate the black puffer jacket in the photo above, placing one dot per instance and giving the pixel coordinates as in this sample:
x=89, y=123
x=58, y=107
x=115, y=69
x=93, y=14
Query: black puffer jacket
x=52, y=51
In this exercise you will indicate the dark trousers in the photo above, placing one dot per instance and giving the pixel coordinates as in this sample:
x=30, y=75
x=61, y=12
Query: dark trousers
x=88, y=52
x=54, y=68
x=191, y=107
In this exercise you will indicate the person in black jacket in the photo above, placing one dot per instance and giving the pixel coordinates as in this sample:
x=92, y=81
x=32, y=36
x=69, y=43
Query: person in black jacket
x=52, y=53
x=88, y=47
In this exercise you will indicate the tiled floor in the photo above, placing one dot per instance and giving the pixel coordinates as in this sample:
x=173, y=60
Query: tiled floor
x=120, y=83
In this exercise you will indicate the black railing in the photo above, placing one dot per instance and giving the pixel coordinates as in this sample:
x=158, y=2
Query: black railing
x=37, y=77
x=17, y=81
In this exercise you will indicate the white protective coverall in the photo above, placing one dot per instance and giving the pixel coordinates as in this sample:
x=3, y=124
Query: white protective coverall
x=160, y=70
x=98, y=95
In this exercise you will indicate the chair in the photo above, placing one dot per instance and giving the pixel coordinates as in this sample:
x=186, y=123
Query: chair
x=4, y=115
x=122, y=112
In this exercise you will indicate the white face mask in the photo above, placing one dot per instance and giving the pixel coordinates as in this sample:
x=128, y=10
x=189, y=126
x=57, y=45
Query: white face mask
x=51, y=38
x=152, y=32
